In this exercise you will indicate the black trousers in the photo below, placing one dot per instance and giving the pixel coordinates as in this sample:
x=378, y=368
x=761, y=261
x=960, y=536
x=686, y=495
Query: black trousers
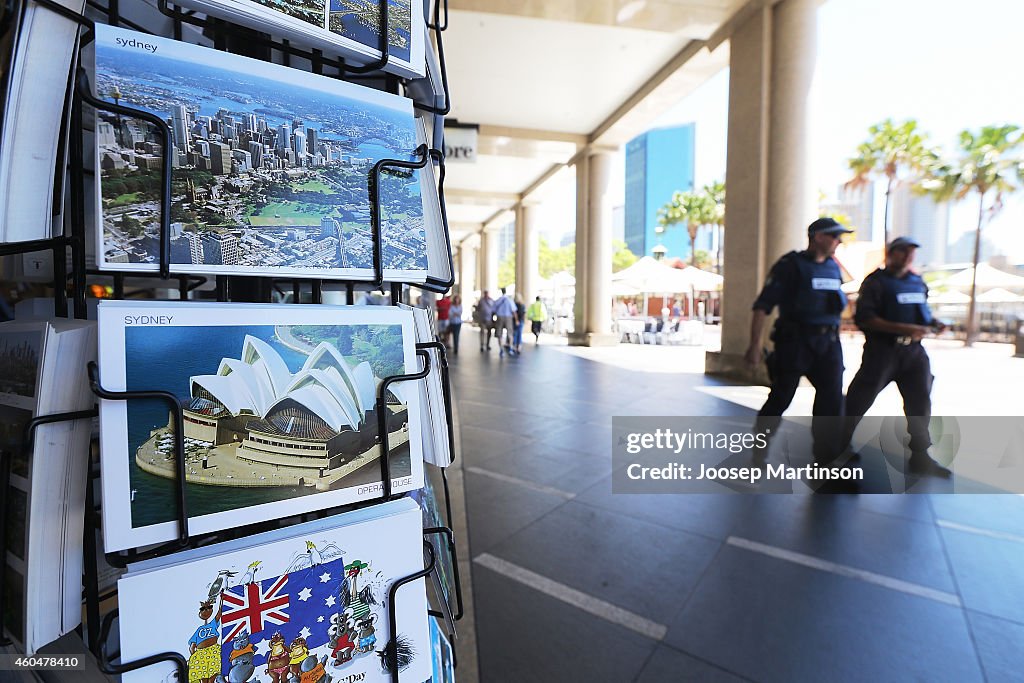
x=819, y=358
x=910, y=368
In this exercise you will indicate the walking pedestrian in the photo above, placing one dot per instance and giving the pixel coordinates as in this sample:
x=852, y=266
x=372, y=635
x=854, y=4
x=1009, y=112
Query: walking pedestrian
x=455, y=322
x=505, y=311
x=805, y=285
x=517, y=338
x=483, y=316
x=443, y=305
x=537, y=313
x=893, y=312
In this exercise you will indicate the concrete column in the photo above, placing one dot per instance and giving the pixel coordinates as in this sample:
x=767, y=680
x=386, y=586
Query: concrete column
x=595, y=261
x=791, y=191
x=488, y=259
x=770, y=194
x=578, y=335
x=467, y=270
x=527, y=250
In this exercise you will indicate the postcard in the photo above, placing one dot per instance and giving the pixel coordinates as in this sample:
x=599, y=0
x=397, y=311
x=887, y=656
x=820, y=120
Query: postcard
x=270, y=167
x=280, y=412
x=348, y=27
x=307, y=604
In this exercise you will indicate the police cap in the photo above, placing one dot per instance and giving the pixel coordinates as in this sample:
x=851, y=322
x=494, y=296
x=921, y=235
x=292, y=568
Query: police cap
x=826, y=225
x=902, y=243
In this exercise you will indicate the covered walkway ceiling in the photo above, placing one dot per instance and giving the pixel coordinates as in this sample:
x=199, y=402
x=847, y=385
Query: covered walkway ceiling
x=544, y=78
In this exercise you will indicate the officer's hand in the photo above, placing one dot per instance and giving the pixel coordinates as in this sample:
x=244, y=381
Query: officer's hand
x=938, y=327
x=919, y=332
x=752, y=357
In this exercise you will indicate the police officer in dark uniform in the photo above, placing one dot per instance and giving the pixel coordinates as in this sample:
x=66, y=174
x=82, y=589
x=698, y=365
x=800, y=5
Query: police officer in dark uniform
x=892, y=310
x=805, y=285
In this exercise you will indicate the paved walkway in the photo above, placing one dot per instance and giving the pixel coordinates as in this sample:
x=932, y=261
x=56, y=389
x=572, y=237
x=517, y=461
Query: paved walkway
x=572, y=583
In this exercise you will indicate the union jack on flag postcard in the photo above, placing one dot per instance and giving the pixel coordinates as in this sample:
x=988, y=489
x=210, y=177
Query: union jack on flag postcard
x=307, y=604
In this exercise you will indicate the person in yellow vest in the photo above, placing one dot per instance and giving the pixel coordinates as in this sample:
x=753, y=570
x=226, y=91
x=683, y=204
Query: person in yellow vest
x=536, y=313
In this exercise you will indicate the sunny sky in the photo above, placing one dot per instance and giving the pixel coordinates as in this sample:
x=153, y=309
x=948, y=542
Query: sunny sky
x=943, y=62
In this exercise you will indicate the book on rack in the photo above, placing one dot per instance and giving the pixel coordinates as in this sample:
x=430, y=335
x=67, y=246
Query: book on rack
x=42, y=372
x=348, y=28
x=280, y=412
x=433, y=408
x=271, y=172
x=302, y=603
x=443, y=576
x=36, y=57
x=442, y=659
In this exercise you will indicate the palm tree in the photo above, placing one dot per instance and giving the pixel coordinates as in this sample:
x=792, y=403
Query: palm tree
x=716, y=193
x=990, y=164
x=694, y=209
x=895, y=152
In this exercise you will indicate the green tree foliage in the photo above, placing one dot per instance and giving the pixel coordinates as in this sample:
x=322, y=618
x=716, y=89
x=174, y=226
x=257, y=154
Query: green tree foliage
x=898, y=152
x=555, y=260
x=692, y=209
x=622, y=257
x=507, y=269
x=990, y=163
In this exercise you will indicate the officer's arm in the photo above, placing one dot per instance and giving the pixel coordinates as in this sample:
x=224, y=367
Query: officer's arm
x=753, y=355
x=868, y=301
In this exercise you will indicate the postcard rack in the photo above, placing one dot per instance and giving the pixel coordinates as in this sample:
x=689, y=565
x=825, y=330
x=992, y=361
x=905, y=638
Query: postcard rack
x=71, y=279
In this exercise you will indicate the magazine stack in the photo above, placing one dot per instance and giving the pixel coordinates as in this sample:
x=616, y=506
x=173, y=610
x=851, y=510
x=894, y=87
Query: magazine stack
x=246, y=478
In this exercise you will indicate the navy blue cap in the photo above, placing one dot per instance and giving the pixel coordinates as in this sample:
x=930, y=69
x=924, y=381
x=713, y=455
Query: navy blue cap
x=903, y=243
x=828, y=226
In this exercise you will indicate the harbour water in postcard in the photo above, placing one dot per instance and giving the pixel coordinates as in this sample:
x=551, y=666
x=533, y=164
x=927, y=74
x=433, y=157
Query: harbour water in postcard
x=270, y=165
x=271, y=413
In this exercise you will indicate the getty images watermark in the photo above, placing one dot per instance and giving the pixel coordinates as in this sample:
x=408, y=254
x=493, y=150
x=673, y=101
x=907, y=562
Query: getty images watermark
x=733, y=454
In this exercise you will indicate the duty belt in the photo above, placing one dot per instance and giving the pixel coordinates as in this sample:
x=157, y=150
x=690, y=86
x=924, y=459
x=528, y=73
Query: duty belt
x=819, y=329
x=906, y=340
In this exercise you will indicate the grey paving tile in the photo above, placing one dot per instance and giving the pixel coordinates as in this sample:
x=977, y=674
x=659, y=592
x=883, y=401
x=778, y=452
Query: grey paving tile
x=771, y=620
x=497, y=509
x=581, y=437
x=525, y=635
x=989, y=573
x=837, y=530
x=1000, y=646
x=641, y=567
x=480, y=444
x=565, y=475
x=711, y=514
x=1004, y=513
x=669, y=666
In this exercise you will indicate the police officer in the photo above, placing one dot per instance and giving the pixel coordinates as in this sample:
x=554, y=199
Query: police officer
x=892, y=310
x=805, y=285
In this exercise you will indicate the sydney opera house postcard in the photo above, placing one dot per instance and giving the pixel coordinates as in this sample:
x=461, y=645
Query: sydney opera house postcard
x=280, y=412
x=350, y=28
x=271, y=167
x=306, y=603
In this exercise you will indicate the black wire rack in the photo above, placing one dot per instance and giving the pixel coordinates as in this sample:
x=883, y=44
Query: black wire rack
x=70, y=287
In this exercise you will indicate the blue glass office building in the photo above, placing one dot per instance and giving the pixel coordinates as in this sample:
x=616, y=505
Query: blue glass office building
x=658, y=163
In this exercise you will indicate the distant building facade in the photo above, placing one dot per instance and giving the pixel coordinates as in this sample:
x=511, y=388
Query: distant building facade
x=658, y=163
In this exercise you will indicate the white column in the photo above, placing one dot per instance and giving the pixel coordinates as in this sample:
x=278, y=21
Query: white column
x=594, y=251
x=488, y=259
x=527, y=250
x=599, y=245
x=770, y=194
x=791, y=191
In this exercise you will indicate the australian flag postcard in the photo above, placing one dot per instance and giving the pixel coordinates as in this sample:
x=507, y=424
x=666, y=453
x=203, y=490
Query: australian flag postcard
x=306, y=604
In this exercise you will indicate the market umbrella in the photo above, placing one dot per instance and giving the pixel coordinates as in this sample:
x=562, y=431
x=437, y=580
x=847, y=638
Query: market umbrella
x=988, y=278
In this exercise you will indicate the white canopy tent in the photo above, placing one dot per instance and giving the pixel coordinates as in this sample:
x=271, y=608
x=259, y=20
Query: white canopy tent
x=649, y=276
x=999, y=296
x=988, y=278
x=952, y=297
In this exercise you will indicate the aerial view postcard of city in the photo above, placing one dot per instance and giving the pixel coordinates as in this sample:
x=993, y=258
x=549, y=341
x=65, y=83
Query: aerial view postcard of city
x=270, y=166
x=350, y=28
x=280, y=412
